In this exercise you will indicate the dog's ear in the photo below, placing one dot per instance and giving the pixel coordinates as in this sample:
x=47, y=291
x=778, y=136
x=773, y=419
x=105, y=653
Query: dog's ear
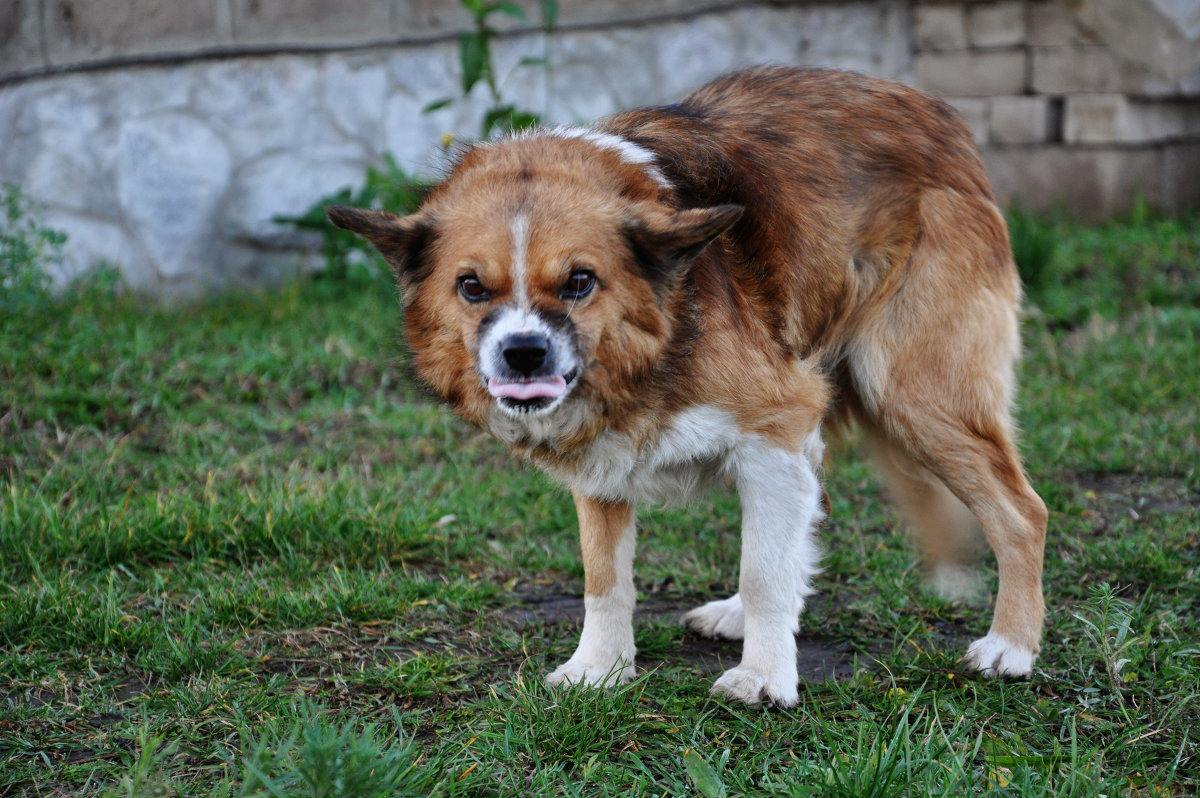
x=403, y=241
x=664, y=241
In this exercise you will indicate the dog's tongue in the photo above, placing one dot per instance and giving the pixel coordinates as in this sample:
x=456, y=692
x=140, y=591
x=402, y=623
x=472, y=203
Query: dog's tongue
x=548, y=388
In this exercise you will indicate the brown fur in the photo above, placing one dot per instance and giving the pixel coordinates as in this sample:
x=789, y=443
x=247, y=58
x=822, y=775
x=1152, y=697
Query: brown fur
x=869, y=276
x=600, y=526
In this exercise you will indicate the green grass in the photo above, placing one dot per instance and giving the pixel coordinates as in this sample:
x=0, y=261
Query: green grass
x=242, y=556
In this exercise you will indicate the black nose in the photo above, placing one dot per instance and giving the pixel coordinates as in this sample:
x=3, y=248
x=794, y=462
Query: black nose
x=526, y=352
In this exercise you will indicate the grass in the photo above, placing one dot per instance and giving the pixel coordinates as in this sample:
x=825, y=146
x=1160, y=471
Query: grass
x=242, y=556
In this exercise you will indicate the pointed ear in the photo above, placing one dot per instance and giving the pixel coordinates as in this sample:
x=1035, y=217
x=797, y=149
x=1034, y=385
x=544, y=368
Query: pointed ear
x=403, y=241
x=665, y=242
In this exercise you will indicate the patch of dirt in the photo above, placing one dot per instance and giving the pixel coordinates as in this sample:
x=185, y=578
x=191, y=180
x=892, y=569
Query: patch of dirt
x=1113, y=495
x=818, y=659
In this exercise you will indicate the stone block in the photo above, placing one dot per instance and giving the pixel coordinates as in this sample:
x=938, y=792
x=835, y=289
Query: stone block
x=975, y=111
x=78, y=31
x=20, y=37
x=972, y=74
x=425, y=17
x=1026, y=119
x=940, y=27
x=281, y=183
x=91, y=242
x=1093, y=183
x=1115, y=118
x=309, y=21
x=1092, y=68
x=172, y=173
x=997, y=24
x=1161, y=36
x=1051, y=24
x=1181, y=188
x=413, y=18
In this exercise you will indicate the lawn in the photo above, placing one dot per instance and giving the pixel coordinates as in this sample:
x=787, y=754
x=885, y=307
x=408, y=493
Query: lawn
x=243, y=555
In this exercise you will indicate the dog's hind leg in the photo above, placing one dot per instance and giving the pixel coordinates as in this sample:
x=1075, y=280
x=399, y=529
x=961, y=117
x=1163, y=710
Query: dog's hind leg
x=945, y=530
x=605, y=655
x=933, y=368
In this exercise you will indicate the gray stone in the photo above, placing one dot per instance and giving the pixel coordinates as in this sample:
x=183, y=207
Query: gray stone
x=940, y=27
x=77, y=31
x=868, y=37
x=1051, y=24
x=1091, y=68
x=769, y=34
x=691, y=53
x=413, y=137
x=258, y=105
x=1181, y=165
x=310, y=21
x=353, y=91
x=997, y=24
x=975, y=112
x=1020, y=120
x=1160, y=36
x=20, y=37
x=93, y=242
x=172, y=172
x=1114, y=118
x=61, y=143
x=589, y=87
x=281, y=183
x=1094, y=183
x=972, y=73
x=522, y=85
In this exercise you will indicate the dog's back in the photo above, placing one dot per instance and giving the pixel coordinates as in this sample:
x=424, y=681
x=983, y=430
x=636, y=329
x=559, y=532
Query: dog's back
x=836, y=167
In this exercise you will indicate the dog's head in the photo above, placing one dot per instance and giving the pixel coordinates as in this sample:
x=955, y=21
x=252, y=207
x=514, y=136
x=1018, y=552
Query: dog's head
x=537, y=277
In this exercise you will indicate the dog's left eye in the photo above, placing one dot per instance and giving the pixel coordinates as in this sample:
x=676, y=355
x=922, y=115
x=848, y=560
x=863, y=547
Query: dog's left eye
x=471, y=289
x=578, y=285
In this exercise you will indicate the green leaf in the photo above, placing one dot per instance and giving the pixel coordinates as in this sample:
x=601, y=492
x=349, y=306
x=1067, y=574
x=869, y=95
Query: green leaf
x=530, y=60
x=507, y=119
x=473, y=52
x=702, y=775
x=549, y=15
x=437, y=105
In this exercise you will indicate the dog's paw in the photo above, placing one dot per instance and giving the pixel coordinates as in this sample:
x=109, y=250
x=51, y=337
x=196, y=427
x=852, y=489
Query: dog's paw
x=994, y=656
x=577, y=671
x=725, y=618
x=755, y=687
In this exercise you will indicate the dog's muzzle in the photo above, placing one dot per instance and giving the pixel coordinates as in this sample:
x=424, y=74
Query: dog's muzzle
x=530, y=379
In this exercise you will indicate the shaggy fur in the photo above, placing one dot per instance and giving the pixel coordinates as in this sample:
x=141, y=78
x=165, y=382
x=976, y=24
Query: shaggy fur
x=684, y=295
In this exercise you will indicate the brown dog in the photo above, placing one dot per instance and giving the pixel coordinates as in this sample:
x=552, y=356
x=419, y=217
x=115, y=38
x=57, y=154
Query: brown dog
x=683, y=295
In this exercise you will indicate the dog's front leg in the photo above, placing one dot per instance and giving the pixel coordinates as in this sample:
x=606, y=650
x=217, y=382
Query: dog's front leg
x=604, y=657
x=781, y=507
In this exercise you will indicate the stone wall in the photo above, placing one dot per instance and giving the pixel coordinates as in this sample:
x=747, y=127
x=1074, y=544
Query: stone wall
x=1063, y=118
x=164, y=136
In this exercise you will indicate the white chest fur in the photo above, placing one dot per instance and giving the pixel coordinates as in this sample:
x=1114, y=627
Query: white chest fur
x=689, y=454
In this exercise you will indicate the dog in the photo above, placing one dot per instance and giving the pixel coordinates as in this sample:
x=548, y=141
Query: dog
x=687, y=295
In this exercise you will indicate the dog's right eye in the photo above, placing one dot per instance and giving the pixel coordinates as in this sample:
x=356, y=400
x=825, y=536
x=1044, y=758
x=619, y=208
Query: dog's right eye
x=471, y=289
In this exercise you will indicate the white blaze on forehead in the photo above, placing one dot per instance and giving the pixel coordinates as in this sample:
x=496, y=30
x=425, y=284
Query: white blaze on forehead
x=520, y=253
x=628, y=151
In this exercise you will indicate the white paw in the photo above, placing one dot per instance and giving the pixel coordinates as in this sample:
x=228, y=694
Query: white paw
x=724, y=618
x=755, y=687
x=994, y=656
x=577, y=671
